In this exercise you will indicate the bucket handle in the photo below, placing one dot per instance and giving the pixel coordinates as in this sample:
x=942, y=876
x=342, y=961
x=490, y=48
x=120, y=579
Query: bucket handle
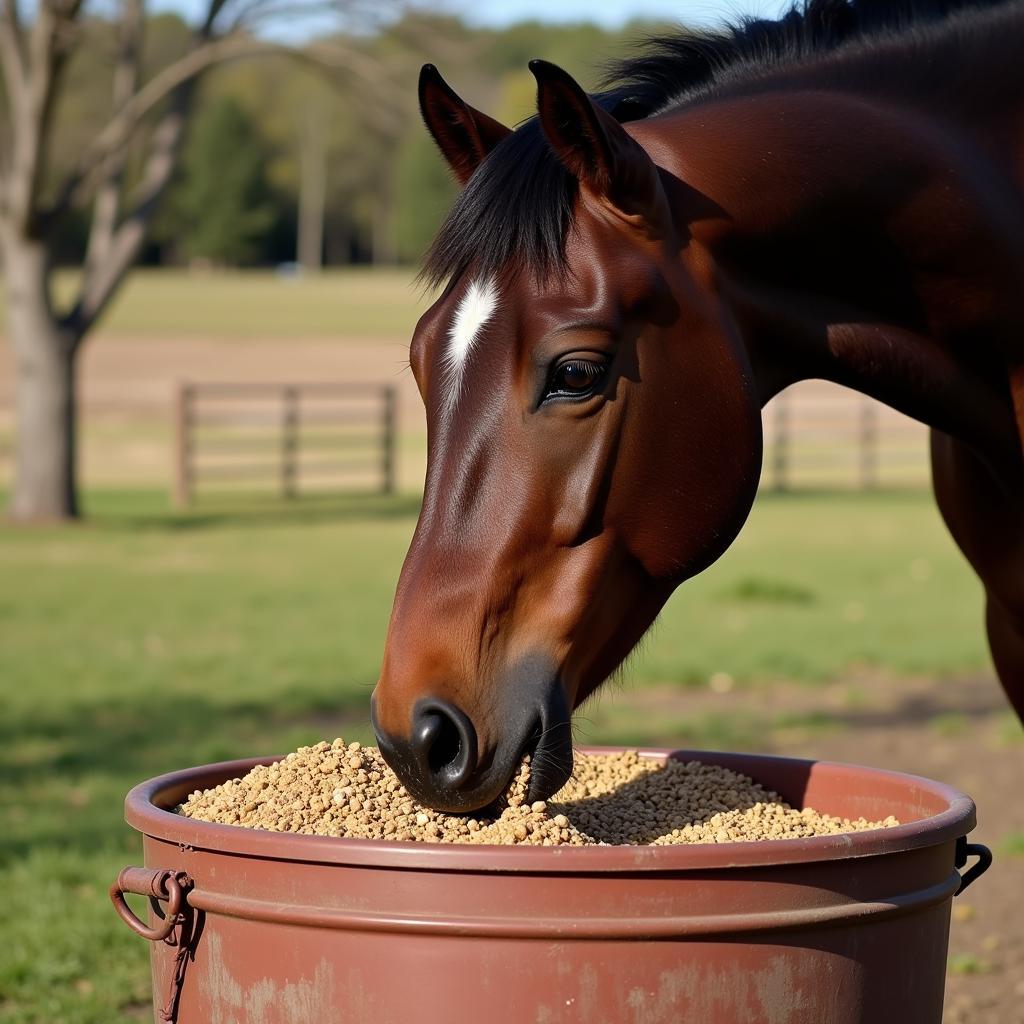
x=964, y=850
x=158, y=884
x=161, y=884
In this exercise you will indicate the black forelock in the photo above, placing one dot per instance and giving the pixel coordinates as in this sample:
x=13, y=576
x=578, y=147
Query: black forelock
x=516, y=209
x=518, y=206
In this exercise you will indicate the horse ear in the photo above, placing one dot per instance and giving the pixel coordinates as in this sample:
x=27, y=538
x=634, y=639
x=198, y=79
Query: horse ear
x=592, y=145
x=464, y=135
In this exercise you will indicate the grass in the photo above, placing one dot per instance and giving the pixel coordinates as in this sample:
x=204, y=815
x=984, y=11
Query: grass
x=1013, y=845
x=1009, y=730
x=817, y=584
x=143, y=641
x=968, y=963
x=630, y=726
x=355, y=302
x=950, y=724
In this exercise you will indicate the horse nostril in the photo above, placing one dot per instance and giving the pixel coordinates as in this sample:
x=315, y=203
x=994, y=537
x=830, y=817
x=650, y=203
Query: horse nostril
x=444, y=743
x=439, y=736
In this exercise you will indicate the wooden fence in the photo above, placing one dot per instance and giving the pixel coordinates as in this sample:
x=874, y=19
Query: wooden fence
x=818, y=435
x=293, y=437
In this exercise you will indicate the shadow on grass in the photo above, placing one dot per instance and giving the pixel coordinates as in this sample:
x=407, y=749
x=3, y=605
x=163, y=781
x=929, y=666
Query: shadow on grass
x=263, y=512
x=802, y=493
x=751, y=721
x=149, y=510
x=924, y=709
x=710, y=731
x=106, y=748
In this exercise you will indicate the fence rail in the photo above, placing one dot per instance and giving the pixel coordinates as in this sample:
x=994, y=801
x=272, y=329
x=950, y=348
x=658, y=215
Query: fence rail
x=821, y=435
x=817, y=436
x=241, y=432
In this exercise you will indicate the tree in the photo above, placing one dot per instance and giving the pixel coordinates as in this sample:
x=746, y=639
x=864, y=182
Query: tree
x=338, y=159
x=146, y=113
x=424, y=190
x=223, y=200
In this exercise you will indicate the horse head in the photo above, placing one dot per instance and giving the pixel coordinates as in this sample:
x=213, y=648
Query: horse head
x=594, y=439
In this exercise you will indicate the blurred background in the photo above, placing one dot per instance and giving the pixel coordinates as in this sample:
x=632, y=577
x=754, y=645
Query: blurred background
x=212, y=451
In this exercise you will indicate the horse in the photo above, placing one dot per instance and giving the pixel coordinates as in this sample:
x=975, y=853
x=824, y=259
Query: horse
x=628, y=277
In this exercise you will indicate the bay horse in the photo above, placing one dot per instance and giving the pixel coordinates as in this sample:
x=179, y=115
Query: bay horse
x=630, y=277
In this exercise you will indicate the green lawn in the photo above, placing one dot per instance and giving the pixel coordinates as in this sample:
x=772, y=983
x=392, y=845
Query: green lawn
x=144, y=641
x=355, y=302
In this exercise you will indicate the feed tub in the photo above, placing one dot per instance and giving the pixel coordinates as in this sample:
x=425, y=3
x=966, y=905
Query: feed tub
x=270, y=928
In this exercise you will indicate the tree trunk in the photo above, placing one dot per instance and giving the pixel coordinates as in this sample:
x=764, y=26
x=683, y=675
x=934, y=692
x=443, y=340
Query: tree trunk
x=44, y=367
x=312, y=190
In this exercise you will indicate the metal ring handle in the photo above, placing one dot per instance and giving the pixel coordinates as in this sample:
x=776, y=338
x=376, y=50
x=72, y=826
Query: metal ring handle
x=964, y=850
x=158, y=884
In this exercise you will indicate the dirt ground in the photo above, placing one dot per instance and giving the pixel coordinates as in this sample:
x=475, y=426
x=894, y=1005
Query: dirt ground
x=959, y=731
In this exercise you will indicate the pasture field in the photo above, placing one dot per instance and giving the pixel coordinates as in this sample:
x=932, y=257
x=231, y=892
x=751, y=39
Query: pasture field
x=143, y=641
x=354, y=302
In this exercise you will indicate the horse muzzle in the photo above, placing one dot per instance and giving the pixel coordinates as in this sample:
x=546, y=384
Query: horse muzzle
x=442, y=763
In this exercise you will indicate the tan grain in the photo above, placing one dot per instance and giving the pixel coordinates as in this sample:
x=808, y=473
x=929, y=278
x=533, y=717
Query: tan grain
x=346, y=790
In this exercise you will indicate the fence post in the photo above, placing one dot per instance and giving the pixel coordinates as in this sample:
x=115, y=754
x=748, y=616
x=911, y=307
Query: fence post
x=289, y=442
x=868, y=444
x=780, y=450
x=388, y=440
x=183, y=416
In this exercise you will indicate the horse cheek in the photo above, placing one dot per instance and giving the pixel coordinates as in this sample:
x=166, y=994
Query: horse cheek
x=697, y=474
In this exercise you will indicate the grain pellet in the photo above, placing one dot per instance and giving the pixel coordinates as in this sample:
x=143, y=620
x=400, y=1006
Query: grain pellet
x=348, y=791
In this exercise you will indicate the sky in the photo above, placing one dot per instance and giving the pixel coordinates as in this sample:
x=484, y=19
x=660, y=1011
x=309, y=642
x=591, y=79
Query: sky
x=613, y=13
x=610, y=13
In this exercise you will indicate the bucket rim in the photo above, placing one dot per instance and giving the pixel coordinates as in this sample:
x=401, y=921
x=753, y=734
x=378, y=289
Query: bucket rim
x=148, y=809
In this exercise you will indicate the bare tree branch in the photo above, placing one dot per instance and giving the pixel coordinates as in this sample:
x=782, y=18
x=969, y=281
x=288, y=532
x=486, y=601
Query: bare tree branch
x=102, y=279
x=212, y=13
x=107, y=206
x=118, y=131
x=253, y=13
x=344, y=13
x=49, y=44
x=113, y=245
x=113, y=249
x=12, y=52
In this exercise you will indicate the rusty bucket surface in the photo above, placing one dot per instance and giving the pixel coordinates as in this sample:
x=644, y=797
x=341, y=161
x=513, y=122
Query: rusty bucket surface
x=257, y=927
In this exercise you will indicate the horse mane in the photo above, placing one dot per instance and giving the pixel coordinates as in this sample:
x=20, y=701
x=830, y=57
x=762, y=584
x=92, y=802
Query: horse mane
x=518, y=206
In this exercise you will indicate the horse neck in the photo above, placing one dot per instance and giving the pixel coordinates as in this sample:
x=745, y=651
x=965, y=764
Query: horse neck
x=859, y=241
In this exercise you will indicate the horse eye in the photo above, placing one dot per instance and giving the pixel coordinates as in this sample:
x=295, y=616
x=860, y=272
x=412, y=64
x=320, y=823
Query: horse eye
x=576, y=377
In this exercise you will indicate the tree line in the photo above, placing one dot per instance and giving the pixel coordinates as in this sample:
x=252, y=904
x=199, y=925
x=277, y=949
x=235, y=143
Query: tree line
x=283, y=161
